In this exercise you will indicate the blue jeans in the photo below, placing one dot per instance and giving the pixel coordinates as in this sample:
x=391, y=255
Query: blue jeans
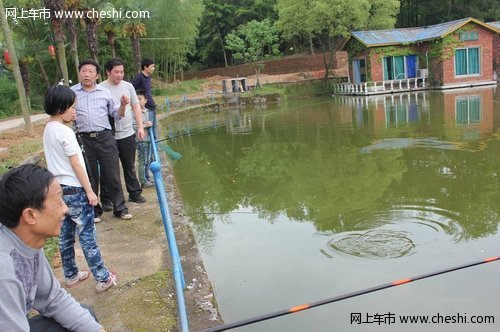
x=143, y=160
x=80, y=218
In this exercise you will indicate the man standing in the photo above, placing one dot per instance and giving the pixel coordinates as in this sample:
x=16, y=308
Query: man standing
x=124, y=132
x=31, y=211
x=142, y=81
x=94, y=104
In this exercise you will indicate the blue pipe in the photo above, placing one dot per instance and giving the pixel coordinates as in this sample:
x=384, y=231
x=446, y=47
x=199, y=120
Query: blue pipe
x=169, y=230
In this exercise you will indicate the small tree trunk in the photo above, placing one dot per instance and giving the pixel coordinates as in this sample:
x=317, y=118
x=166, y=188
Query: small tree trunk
x=70, y=24
x=111, y=42
x=221, y=44
x=61, y=52
x=136, y=49
x=92, y=26
x=42, y=70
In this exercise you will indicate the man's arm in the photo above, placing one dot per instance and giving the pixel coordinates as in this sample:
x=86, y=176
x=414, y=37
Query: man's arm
x=53, y=301
x=12, y=305
x=138, y=119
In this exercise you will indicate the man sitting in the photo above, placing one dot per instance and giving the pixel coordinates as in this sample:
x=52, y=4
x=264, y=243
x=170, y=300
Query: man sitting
x=31, y=211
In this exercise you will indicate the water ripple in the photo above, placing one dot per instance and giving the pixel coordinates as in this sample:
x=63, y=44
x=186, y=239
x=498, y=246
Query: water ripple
x=397, y=232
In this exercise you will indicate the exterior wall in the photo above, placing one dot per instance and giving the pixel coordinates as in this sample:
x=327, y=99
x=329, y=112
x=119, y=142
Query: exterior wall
x=485, y=43
x=280, y=66
x=496, y=54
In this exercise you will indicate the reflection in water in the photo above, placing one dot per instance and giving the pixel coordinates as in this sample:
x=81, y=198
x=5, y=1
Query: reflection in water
x=389, y=183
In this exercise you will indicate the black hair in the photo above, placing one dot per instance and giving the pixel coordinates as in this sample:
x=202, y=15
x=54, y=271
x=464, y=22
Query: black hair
x=141, y=92
x=20, y=188
x=58, y=99
x=112, y=63
x=89, y=62
x=146, y=62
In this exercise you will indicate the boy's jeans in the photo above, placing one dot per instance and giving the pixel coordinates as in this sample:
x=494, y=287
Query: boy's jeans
x=144, y=157
x=80, y=218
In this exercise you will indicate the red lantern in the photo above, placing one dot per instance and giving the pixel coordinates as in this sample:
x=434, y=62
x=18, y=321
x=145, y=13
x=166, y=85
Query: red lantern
x=52, y=51
x=6, y=57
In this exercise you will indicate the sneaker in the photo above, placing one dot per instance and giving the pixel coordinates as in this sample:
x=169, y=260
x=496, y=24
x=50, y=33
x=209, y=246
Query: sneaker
x=137, y=199
x=147, y=184
x=80, y=276
x=97, y=220
x=102, y=286
x=107, y=206
x=124, y=215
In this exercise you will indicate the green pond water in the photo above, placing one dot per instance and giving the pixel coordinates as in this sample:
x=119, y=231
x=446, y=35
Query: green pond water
x=313, y=198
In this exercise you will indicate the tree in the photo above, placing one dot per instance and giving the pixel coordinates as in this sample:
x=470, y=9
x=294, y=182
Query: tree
x=212, y=33
x=71, y=25
x=221, y=17
x=57, y=24
x=254, y=42
x=329, y=22
x=173, y=29
x=17, y=73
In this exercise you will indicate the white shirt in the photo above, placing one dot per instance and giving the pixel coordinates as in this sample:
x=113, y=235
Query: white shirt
x=123, y=128
x=59, y=143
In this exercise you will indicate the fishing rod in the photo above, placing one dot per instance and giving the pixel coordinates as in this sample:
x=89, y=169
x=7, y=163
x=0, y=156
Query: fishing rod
x=307, y=306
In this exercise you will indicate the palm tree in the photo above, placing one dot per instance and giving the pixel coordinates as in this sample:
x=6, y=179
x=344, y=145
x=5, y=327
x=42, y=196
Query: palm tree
x=92, y=25
x=71, y=25
x=135, y=30
x=57, y=24
x=17, y=72
x=31, y=30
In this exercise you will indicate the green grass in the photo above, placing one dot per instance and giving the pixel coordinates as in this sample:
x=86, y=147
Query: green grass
x=50, y=248
x=18, y=153
x=180, y=88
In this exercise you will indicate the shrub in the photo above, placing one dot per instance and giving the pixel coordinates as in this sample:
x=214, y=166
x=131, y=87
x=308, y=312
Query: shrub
x=8, y=98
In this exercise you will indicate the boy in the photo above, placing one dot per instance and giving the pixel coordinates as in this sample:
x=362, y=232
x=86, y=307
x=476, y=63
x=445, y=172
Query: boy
x=143, y=145
x=65, y=161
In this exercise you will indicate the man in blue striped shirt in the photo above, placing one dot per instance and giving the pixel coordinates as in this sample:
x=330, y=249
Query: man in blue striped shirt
x=94, y=107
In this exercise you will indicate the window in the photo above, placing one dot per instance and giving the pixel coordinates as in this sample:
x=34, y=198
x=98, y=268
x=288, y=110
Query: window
x=468, y=109
x=467, y=61
x=400, y=67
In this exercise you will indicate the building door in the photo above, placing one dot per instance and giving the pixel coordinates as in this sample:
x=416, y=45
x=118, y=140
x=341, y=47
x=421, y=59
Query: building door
x=359, y=70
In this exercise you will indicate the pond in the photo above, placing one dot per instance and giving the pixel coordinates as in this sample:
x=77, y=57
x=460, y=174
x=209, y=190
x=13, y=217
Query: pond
x=314, y=198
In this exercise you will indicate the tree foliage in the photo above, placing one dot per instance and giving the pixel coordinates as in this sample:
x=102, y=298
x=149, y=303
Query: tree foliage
x=428, y=12
x=329, y=22
x=253, y=43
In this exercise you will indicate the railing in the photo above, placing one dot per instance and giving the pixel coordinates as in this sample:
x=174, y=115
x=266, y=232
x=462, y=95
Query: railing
x=169, y=230
x=377, y=86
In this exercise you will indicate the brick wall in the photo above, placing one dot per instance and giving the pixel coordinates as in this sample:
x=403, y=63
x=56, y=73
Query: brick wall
x=496, y=54
x=485, y=44
x=294, y=64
